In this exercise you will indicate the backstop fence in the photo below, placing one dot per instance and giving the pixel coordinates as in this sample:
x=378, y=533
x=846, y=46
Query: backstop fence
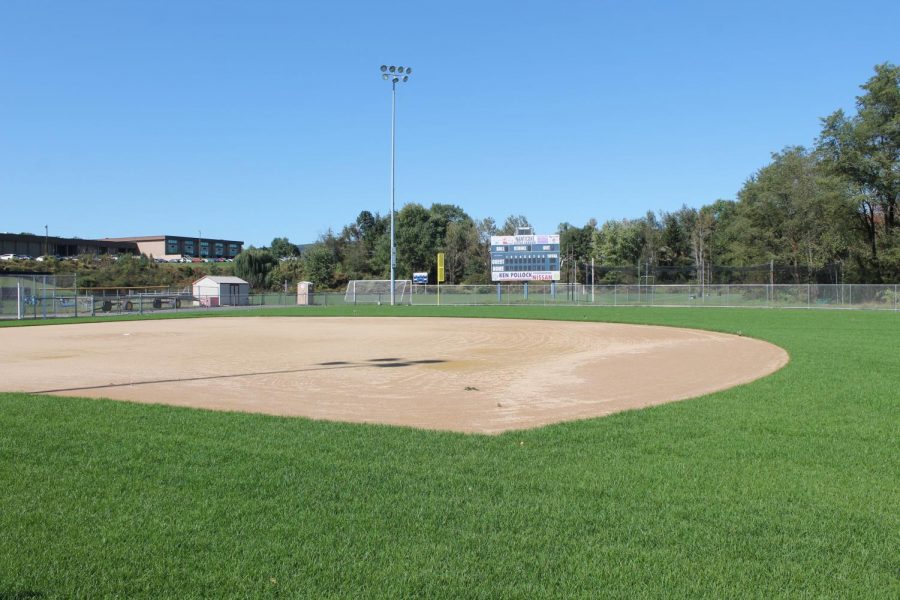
x=48, y=296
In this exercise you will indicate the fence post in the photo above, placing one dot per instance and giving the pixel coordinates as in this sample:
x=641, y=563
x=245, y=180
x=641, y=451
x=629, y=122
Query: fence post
x=895, y=296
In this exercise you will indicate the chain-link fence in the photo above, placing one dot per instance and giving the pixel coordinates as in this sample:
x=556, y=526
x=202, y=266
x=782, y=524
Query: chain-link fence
x=858, y=296
x=48, y=296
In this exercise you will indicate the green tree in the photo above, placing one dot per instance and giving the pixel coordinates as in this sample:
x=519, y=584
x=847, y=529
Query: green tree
x=619, y=243
x=512, y=223
x=461, y=250
x=319, y=265
x=792, y=212
x=417, y=244
x=283, y=248
x=254, y=267
x=286, y=274
x=577, y=243
x=674, y=247
x=865, y=150
x=442, y=216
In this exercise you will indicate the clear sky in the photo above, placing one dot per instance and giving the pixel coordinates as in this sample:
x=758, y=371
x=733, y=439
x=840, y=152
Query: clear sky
x=255, y=119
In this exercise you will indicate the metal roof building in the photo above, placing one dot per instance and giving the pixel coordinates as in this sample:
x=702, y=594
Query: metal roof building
x=221, y=290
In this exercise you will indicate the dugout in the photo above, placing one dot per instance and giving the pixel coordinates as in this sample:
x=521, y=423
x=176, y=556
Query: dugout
x=220, y=290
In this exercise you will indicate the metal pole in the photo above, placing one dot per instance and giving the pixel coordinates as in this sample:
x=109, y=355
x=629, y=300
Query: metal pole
x=592, y=280
x=393, y=163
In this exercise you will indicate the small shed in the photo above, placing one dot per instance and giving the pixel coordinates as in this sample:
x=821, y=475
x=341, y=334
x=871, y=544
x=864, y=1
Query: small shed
x=304, y=293
x=221, y=290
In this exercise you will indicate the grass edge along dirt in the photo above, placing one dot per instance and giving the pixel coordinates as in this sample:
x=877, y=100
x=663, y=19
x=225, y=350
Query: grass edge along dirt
x=784, y=487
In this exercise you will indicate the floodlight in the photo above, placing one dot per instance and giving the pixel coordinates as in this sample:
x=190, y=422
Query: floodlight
x=395, y=74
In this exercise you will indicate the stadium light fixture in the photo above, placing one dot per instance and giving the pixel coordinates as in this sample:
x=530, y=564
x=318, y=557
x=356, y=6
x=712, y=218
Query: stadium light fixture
x=397, y=75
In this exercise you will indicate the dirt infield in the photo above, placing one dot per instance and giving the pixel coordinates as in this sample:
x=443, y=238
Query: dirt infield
x=473, y=375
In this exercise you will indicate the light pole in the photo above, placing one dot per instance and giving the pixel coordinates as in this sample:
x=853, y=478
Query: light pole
x=395, y=75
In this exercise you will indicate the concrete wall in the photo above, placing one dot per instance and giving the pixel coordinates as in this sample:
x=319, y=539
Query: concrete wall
x=155, y=248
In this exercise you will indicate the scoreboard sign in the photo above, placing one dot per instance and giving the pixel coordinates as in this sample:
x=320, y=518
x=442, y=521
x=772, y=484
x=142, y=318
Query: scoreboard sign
x=524, y=258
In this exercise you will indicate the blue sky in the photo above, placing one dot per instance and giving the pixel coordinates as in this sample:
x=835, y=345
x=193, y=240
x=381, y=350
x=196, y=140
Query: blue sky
x=252, y=120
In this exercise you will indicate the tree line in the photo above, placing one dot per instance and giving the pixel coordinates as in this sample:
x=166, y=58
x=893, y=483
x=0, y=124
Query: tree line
x=825, y=213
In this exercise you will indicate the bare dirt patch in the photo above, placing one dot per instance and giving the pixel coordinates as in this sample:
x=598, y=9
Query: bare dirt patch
x=472, y=375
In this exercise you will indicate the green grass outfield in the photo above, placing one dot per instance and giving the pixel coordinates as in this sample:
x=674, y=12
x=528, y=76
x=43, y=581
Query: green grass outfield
x=786, y=487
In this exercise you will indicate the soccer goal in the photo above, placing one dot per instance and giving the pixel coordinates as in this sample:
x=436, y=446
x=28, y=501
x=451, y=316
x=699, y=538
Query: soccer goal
x=378, y=291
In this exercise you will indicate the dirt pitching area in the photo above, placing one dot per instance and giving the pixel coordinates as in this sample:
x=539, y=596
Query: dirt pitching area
x=469, y=375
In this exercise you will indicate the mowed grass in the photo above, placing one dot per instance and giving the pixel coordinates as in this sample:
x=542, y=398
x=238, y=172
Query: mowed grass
x=786, y=487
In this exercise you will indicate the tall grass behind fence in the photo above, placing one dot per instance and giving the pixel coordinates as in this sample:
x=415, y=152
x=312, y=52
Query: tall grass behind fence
x=48, y=296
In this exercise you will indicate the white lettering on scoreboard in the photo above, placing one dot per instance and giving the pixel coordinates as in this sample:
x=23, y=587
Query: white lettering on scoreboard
x=525, y=258
x=512, y=240
x=525, y=276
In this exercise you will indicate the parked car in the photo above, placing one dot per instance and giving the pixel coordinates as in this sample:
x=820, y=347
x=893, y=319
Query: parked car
x=7, y=256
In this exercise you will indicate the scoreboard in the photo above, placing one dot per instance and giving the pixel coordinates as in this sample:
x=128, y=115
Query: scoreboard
x=524, y=258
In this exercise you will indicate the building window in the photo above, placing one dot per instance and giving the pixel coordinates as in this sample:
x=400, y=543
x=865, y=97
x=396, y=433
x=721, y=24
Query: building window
x=204, y=248
x=233, y=250
x=189, y=247
x=220, y=249
x=171, y=246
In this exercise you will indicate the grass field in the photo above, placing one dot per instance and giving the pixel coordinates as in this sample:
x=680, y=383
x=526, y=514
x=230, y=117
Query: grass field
x=787, y=487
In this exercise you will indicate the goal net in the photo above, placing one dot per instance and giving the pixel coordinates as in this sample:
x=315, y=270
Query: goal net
x=377, y=291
